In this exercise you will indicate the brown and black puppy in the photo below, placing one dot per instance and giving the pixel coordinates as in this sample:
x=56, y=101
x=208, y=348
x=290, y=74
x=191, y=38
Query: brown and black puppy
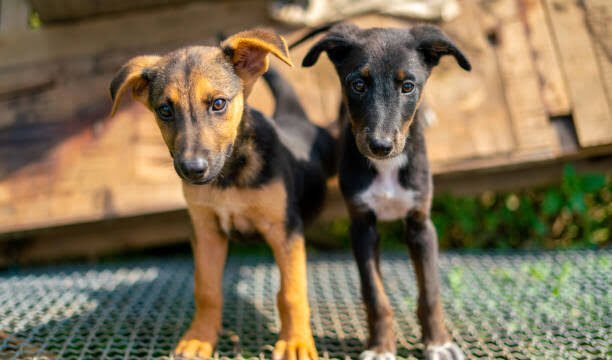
x=384, y=173
x=238, y=174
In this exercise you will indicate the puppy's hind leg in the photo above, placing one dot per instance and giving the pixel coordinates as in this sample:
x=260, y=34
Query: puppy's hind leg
x=365, y=239
x=209, y=252
x=423, y=244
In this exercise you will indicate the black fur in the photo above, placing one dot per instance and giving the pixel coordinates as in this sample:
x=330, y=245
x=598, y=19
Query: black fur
x=282, y=143
x=384, y=60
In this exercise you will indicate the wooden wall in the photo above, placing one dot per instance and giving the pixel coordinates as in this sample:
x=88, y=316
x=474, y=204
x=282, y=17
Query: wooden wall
x=539, y=94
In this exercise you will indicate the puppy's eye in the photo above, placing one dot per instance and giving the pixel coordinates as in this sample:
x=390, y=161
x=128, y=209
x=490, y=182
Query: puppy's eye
x=218, y=105
x=165, y=112
x=408, y=87
x=358, y=86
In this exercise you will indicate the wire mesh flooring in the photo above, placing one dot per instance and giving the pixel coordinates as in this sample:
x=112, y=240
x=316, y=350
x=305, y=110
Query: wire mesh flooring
x=547, y=305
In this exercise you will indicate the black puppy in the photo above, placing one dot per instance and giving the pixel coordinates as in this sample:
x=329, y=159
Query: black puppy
x=384, y=172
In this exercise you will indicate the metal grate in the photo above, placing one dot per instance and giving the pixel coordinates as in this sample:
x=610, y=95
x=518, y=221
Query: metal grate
x=551, y=305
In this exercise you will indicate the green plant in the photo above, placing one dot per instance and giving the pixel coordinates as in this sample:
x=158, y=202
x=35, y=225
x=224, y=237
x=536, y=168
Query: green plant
x=576, y=213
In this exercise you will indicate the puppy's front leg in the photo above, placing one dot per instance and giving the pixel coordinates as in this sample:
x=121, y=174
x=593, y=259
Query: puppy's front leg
x=209, y=252
x=423, y=243
x=296, y=341
x=365, y=239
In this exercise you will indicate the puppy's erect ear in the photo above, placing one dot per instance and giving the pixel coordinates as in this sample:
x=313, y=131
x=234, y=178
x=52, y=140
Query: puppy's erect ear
x=434, y=44
x=248, y=52
x=132, y=74
x=337, y=44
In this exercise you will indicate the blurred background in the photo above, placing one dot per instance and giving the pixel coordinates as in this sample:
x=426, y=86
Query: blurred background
x=521, y=147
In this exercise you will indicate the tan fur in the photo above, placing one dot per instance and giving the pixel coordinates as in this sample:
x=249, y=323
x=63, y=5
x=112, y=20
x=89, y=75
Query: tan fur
x=250, y=54
x=365, y=72
x=262, y=210
x=222, y=132
x=406, y=126
x=292, y=298
x=215, y=211
x=210, y=251
x=254, y=163
x=247, y=209
x=133, y=79
x=175, y=92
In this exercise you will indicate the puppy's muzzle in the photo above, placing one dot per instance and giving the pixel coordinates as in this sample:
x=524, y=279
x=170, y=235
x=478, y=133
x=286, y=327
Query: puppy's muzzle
x=193, y=169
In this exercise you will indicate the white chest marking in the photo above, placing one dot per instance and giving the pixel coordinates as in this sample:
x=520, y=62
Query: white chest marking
x=385, y=196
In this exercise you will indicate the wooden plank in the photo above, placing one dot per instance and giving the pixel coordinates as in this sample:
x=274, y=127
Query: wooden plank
x=592, y=114
x=13, y=16
x=532, y=128
x=93, y=240
x=62, y=10
x=113, y=168
x=99, y=172
x=147, y=30
x=465, y=128
x=551, y=82
x=50, y=100
x=599, y=18
x=520, y=175
x=473, y=121
x=27, y=81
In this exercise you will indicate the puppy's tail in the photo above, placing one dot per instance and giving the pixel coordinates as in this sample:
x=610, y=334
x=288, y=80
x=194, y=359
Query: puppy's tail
x=290, y=116
x=287, y=103
x=312, y=33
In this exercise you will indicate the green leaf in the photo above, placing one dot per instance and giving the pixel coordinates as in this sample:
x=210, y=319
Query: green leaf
x=592, y=182
x=540, y=228
x=552, y=203
x=570, y=182
x=577, y=202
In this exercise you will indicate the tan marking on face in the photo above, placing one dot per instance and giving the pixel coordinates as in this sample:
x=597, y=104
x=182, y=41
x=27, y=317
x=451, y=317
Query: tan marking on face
x=222, y=129
x=174, y=93
x=365, y=72
x=168, y=134
x=401, y=75
x=405, y=129
x=202, y=89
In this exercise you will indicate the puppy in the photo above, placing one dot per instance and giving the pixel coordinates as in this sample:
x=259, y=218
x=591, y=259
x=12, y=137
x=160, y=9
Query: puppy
x=384, y=172
x=239, y=175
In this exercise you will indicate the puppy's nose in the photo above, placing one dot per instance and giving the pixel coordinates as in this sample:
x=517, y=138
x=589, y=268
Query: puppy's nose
x=194, y=168
x=381, y=147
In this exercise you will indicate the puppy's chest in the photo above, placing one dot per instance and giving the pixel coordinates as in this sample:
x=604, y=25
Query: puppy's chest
x=246, y=211
x=386, y=196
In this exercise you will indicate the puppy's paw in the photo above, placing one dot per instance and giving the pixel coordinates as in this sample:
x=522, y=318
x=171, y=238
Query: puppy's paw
x=374, y=355
x=295, y=349
x=194, y=349
x=448, y=351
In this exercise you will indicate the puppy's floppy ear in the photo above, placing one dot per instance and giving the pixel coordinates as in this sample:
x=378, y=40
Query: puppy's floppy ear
x=434, y=44
x=248, y=52
x=337, y=44
x=132, y=74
